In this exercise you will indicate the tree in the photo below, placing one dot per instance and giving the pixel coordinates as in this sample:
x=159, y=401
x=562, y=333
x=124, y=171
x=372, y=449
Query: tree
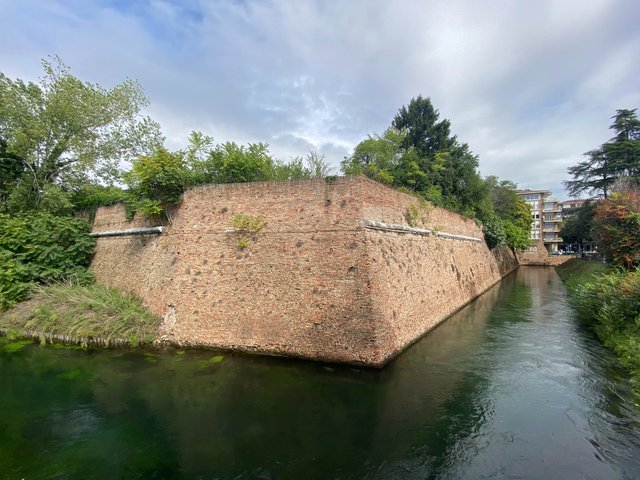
x=65, y=130
x=593, y=175
x=502, y=194
x=448, y=164
x=617, y=226
x=623, y=149
x=578, y=228
x=424, y=132
x=229, y=162
x=380, y=157
x=233, y=163
x=518, y=225
x=619, y=157
x=419, y=153
x=513, y=212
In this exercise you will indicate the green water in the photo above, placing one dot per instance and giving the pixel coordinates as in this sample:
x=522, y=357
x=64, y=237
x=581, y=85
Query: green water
x=511, y=387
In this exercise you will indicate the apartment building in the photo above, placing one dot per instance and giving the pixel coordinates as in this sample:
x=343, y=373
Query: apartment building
x=546, y=215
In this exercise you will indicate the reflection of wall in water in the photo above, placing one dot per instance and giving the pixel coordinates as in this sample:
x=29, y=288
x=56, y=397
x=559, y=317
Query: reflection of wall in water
x=433, y=378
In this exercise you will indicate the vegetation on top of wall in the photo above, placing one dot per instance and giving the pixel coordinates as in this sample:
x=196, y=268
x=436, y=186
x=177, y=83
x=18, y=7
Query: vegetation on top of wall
x=418, y=154
x=41, y=249
x=494, y=231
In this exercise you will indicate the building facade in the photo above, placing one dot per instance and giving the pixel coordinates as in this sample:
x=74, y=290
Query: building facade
x=546, y=215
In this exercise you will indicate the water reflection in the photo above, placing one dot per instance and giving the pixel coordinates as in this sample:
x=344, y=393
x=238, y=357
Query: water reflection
x=510, y=387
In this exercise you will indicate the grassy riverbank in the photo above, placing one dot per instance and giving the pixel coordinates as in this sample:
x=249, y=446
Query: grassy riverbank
x=81, y=313
x=610, y=301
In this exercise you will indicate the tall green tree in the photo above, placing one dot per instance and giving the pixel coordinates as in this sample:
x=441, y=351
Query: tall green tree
x=424, y=132
x=420, y=154
x=617, y=158
x=449, y=165
x=595, y=175
x=65, y=130
x=578, y=228
x=502, y=194
x=509, y=210
x=623, y=149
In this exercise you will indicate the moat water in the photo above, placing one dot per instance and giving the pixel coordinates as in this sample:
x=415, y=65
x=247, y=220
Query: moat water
x=511, y=387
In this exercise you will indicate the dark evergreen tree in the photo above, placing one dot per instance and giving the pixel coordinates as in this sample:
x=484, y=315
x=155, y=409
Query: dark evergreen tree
x=617, y=158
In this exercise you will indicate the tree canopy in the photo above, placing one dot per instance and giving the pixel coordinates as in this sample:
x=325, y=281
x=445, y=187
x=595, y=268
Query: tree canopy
x=603, y=166
x=617, y=226
x=64, y=130
x=419, y=153
x=578, y=227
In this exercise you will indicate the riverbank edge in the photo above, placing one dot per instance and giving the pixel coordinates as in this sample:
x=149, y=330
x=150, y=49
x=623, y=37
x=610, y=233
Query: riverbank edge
x=88, y=316
x=594, y=289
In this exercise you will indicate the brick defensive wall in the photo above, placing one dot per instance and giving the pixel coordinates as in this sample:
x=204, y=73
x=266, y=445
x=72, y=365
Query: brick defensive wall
x=344, y=270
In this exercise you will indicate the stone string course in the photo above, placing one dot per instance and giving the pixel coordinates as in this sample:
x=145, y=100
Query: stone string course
x=332, y=276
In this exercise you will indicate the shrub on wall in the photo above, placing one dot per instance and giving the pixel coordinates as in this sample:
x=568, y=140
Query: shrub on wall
x=494, y=231
x=156, y=181
x=41, y=248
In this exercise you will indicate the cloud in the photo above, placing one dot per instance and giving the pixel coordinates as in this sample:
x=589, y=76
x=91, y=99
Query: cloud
x=530, y=86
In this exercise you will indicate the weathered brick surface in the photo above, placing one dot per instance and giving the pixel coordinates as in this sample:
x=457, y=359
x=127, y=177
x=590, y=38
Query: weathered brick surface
x=313, y=283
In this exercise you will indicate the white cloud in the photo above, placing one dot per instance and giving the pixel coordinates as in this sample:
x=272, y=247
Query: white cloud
x=530, y=86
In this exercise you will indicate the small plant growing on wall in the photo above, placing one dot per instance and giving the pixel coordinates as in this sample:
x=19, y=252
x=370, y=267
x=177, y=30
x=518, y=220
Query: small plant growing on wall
x=246, y=224
x=418, y=214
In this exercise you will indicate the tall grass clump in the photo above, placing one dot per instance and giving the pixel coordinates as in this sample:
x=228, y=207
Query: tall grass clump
x=83, y=312
x=612, y=303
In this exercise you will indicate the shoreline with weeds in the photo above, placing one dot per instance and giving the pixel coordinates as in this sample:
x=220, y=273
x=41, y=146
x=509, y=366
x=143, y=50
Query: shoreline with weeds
x=609, y=300
x=86, y=315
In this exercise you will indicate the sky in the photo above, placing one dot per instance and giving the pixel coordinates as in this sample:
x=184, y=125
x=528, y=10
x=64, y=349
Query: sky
x=529, y=85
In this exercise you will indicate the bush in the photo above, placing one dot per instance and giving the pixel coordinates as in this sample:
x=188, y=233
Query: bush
x=41, y=248
x=610, y=302
x=494, y=231
x=617, y=224
x=156, y=181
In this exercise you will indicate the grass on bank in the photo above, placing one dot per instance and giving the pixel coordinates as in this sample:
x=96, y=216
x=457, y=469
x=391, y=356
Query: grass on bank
x=610, y=301
x=577, y=271
x=92, y=311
